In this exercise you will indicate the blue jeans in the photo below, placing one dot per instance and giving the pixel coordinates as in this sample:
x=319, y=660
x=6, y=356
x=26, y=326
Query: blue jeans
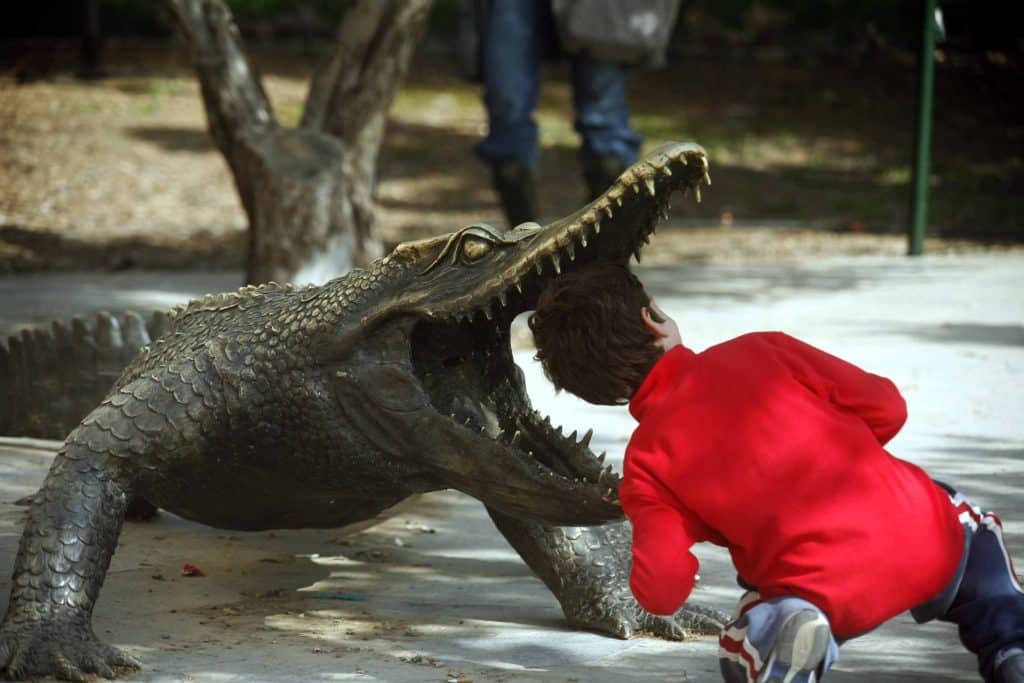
x=516, y=33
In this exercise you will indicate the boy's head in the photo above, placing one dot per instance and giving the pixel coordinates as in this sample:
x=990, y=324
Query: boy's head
x=598, y=334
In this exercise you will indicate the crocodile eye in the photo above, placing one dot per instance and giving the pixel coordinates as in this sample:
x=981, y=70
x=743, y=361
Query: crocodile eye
x=475, y=248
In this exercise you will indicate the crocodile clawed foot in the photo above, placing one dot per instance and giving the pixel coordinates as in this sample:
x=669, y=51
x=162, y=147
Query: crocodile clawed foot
x=68, y=650
x=690, y=620
x=618, y=614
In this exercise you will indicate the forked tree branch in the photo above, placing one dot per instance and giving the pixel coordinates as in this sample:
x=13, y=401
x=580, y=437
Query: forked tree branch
x=308, y=192
x=359, y=78
x=232, y=92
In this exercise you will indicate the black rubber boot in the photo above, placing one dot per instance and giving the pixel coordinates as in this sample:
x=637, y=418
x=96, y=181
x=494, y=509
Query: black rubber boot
x=1011, y=670
x=516, y=185
x=599, y=172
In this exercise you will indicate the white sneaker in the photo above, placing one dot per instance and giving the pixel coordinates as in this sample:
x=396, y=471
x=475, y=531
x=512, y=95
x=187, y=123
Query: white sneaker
x=799, y=649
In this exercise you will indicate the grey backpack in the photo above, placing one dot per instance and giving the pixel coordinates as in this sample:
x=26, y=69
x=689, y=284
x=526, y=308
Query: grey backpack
x=625, y=31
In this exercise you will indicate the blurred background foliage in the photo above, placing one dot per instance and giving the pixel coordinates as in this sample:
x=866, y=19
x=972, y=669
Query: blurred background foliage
x=806, y=108
x=796, y=25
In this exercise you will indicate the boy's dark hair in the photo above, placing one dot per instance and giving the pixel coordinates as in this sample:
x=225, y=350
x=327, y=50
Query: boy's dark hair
x=590, y=337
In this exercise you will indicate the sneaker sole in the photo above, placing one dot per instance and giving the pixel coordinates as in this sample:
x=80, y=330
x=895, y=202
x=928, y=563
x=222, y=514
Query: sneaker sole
x=799, y=650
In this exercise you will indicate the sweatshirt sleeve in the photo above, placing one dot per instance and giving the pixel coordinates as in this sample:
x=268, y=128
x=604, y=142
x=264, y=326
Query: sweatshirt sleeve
x=873, y=398
x=664, y=569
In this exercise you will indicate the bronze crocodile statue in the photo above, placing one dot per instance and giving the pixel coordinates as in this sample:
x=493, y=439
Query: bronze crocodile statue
x=322, y=406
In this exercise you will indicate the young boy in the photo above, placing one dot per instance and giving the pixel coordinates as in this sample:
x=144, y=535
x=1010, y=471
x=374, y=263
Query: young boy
x=775, y=450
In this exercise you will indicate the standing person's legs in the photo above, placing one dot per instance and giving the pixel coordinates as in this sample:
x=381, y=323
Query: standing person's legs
x=511, y=49
x=770, y=641
x=602, y=119
x=512, y=45
x=987, y=600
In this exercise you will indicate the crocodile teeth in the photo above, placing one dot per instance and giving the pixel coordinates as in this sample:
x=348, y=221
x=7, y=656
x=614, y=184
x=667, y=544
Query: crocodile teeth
x=636, y=253
x=516, y=437
x=707, y=179
x=556, y=261
x=696, y=193
x=636, y=188
x=570, y=249
x=572, y=437
x=503, y=298
x=583, y=239
x=649, y=182
x=597, y=227
x=487, y=311
x=601, y=457
x=667, y=170
x=608, y=209
x=586, y=438
x=539, y=267
x=618, y=200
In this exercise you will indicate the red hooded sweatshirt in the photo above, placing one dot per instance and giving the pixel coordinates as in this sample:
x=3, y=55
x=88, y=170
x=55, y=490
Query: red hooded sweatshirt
x=774, y=449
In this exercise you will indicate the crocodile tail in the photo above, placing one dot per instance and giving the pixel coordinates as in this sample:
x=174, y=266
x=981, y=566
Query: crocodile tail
x=51, y=379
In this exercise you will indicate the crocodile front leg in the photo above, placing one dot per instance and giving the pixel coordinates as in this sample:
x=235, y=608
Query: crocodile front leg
x=65, y=549
x=587, y=568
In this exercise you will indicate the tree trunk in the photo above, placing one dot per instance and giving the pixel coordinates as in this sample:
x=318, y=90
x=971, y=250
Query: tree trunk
x=308, y=191
x=90, y=60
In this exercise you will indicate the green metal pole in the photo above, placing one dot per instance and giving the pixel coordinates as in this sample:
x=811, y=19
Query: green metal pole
x=923, y=141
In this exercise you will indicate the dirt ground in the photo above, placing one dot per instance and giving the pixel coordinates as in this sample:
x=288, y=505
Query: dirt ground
x=120, y=173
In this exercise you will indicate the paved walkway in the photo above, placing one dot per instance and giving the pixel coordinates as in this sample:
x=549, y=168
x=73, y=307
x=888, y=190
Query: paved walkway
x=435, y=594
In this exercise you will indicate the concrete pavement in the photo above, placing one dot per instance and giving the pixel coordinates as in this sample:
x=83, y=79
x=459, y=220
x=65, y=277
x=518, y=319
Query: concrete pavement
x=435, y=594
